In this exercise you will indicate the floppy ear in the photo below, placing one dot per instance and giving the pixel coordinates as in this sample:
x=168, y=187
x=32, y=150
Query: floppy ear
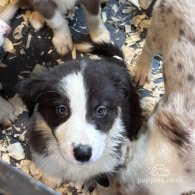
x=30, y=91
x=122, y=82
x=125, y=87
x=135, y=112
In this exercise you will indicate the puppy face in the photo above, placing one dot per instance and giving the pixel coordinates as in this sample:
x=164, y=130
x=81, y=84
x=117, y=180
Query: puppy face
x=80, y=106
x=79, y=116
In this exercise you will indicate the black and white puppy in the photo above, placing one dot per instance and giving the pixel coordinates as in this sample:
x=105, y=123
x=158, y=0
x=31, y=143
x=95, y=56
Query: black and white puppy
x=81, y=113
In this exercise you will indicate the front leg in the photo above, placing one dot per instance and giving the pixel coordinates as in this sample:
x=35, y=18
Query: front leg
x=152, y=46
x=62, y=39
x=142, y=71
x=97, y=30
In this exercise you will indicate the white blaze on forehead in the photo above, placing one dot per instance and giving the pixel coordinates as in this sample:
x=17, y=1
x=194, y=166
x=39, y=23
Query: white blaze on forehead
x=73, y=85
x=77, y=130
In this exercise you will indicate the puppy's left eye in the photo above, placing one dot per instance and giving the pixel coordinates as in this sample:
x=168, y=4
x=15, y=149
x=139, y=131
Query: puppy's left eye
x=62, y=110
x=101, y=111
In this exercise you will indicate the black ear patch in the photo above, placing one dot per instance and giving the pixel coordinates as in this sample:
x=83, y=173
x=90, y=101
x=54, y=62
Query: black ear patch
x=131, y=110
x=31, y=89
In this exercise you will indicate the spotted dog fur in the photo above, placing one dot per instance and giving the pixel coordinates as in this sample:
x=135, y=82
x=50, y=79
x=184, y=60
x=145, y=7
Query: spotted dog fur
x=163, y=160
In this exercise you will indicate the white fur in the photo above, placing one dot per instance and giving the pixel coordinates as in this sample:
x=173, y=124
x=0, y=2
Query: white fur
x=77, y=130
x=4, y=29
x=97, y=30
x=152, y=150
x=56, y=166
x=7, y=115
x=62, y=39
x=2, y=39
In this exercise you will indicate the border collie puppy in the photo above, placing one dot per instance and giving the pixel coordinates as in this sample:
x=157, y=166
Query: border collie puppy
x=81, y=113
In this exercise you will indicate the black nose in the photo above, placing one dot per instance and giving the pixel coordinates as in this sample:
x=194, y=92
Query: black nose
x=82, y=153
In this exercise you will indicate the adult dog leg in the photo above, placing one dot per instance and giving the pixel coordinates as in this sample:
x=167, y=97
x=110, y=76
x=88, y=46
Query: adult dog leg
x=152, y=46
x=62, y=39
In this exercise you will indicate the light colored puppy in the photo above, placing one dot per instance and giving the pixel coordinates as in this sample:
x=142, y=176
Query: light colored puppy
x=162, y=160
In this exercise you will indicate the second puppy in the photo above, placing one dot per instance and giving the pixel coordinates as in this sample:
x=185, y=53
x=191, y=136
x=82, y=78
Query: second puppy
x=52, y=11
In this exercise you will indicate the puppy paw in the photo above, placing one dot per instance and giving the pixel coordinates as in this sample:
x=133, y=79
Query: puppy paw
x=141, y=75
x=36, y=20
x=7, y=116
x=52, y=182
x=62, y=43
x=100, y=34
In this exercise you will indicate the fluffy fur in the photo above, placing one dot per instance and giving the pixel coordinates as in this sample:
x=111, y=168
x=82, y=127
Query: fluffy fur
x=101, y=109
x=162, y=160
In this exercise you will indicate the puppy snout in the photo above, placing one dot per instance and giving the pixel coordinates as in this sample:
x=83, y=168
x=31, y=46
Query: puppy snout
x=82, y=153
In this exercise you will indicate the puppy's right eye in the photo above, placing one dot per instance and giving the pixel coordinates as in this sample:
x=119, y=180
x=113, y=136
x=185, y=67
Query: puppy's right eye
x=101, y=111
x=62, y=110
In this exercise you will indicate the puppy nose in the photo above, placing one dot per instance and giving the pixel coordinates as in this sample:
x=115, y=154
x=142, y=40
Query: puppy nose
x=82, y=153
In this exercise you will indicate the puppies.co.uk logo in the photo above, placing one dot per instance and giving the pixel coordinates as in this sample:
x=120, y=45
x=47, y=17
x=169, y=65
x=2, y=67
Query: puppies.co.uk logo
x=159, y=174
x=159, y=170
